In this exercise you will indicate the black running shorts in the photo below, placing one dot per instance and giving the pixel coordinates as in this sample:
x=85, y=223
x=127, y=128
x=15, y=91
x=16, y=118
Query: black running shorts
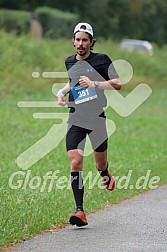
x=97, y=133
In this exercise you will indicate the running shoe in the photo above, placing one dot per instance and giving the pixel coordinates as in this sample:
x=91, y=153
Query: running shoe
x=78, y=219
x=110, y=185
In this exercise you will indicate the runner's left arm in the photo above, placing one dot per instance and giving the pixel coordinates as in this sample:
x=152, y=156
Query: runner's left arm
x=115, y=83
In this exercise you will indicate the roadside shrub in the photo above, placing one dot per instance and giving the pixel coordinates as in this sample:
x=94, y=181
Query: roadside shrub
x=15, y=21
x=55, y=23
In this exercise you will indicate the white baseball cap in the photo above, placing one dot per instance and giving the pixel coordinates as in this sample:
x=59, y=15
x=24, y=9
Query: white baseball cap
x=83, y=27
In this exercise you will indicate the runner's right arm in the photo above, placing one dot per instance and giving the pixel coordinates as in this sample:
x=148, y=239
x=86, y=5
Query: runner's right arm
x=61, y=99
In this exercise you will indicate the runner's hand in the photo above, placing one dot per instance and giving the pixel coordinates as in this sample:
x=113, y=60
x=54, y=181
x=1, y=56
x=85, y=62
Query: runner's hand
x=61, y=100
x=85, y=82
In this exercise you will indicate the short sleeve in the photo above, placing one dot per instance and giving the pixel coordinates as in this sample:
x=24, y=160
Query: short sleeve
x=109, y=67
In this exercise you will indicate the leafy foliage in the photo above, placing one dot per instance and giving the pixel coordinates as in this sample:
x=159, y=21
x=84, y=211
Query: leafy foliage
x=15, y=21
x=139, y=19
x=56, y=23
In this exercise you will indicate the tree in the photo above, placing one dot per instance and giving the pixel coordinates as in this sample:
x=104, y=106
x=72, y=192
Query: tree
x=141, y=19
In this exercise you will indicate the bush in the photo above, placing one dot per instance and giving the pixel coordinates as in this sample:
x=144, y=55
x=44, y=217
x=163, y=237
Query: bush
x=15, y=21
x=56, y=23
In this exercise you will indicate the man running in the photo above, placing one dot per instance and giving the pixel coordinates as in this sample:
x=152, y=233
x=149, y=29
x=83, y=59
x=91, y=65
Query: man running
x=89, y=75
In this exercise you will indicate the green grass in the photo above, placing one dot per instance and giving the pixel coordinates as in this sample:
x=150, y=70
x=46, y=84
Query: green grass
x=139, y=143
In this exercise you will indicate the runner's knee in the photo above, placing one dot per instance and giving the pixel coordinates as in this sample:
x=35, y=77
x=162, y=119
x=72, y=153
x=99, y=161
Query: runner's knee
x=75, y=161
x=76, y=165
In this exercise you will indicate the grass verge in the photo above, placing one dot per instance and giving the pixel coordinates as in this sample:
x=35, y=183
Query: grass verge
x=138, y=146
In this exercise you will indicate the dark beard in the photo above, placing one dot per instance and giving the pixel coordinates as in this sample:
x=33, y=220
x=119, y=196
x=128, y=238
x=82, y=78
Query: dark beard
x=81, y=54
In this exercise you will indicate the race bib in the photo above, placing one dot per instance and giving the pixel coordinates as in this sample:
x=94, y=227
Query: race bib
x=81, y=94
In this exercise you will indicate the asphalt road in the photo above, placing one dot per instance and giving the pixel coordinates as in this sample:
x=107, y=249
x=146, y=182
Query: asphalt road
x=135, y=225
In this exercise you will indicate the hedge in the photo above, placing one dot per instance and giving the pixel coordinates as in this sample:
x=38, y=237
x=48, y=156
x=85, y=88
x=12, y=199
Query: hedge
x=15, y=21
x=56, y=23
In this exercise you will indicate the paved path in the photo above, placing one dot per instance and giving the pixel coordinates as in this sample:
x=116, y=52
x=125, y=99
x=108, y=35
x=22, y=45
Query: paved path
x=135, y=225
